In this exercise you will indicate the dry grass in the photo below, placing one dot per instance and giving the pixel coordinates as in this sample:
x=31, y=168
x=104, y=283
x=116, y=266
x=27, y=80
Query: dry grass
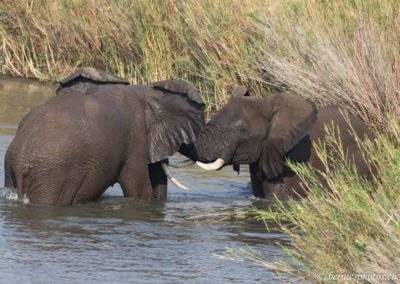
x=332, y=52
x=218, y=215
x=206, y=42
x=339, y=53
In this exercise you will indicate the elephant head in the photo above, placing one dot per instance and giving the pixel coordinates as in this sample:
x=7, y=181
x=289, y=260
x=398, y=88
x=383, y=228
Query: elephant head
x=175, y=116
x=252, y=130
x=85, y=78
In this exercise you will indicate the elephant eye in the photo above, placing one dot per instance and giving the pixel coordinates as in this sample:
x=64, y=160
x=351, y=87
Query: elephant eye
x=243, y=133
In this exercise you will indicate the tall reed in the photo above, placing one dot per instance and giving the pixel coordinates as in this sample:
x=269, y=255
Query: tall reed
x=206, y=42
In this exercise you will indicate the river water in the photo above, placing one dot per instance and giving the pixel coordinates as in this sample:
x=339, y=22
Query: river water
x=116, y=240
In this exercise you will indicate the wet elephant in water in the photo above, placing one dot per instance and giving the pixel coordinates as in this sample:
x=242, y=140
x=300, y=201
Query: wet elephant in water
x=97, y=131
x=263, y=132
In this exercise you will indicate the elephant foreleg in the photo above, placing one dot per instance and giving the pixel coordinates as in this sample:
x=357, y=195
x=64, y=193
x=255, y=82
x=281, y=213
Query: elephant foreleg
x=256, y=181
x=263, y=188
x=135, y=181
x=8, y=182
x=159, y=180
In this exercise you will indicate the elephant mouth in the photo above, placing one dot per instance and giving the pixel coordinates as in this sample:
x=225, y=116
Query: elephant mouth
x=238, y=157
x=227, y=159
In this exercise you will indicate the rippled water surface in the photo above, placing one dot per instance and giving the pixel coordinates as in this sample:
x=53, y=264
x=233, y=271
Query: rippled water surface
x=118, y=240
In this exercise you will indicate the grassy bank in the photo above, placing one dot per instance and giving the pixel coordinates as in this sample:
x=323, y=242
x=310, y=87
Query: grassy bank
x=344, y=51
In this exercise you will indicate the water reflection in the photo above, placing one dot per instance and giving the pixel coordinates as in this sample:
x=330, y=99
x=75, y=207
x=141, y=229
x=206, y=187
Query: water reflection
x=120, y=240
x=17, y=97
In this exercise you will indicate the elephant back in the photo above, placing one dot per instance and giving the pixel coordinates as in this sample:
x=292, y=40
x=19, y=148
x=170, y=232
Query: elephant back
x=83, y=78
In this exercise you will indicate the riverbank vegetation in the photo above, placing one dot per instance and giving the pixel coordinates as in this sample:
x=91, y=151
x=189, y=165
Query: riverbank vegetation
x=344, y=51
x=206, y=42
x=353, y=229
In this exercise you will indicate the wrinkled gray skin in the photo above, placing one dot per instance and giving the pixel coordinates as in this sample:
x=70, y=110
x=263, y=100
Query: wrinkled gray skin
x=94, y=134
x=264, y=132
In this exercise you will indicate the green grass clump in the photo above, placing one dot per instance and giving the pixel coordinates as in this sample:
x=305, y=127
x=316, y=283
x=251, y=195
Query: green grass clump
x=353, y=225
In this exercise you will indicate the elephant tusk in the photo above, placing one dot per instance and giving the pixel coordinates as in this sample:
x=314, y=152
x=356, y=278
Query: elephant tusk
x=183, y=163
x=167, y=172
x=216, y=165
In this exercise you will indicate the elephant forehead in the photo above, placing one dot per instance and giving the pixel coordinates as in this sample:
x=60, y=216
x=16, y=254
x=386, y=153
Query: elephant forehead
x=238, y=108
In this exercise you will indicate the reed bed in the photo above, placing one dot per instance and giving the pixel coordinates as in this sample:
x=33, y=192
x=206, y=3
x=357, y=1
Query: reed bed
x=206, y=42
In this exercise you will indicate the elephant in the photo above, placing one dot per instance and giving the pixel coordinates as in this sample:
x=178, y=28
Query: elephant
x=97, y=131
x=264, y=132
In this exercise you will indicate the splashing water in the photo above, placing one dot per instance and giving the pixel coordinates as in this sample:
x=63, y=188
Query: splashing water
x=8, y=193
x=11, y=194
x=25, y=200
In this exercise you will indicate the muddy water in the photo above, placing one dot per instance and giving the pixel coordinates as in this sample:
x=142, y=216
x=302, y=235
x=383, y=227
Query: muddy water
x=117, y=240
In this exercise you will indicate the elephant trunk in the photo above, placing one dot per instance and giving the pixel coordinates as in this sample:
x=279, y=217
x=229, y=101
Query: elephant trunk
x=207, y=148
x=215, y=147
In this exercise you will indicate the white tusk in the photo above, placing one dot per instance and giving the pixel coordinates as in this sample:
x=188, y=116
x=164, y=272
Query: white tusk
x=164, y=166
x=178, y=184
x=217, y=164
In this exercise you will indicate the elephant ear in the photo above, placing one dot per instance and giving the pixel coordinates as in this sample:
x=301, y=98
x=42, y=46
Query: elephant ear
x=88, y=75
x=292, y=117
x=179, y=87
x=175, y=116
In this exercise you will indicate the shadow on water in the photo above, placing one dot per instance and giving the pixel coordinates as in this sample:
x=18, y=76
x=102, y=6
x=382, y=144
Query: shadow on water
x=120, y=240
